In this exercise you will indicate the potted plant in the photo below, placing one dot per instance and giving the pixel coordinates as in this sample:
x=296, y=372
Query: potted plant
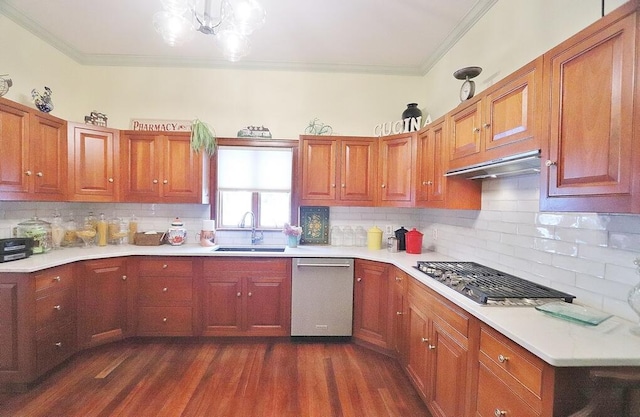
x=203, y=137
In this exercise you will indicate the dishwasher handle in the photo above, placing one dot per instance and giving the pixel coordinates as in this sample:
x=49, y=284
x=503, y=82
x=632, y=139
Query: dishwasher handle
x=323, y=265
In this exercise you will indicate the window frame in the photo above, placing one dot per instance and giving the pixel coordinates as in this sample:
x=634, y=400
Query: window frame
x=255, y=143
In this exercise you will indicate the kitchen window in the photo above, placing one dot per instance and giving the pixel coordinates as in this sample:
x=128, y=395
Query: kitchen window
x=257, y=180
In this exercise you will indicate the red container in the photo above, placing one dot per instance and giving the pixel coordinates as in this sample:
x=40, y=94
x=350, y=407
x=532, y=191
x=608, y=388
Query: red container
x=413, y=241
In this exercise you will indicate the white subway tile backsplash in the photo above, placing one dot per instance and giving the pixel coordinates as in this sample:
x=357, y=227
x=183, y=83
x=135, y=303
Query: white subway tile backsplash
x=584, y=266
x=624, y=241
x=556, y=246
x=588, y=237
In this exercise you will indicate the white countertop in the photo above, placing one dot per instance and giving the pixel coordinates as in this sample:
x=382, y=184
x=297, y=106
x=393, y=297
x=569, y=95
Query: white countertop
x=556, y=341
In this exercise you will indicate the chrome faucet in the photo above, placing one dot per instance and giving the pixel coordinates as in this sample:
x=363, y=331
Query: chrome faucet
x=255, y=238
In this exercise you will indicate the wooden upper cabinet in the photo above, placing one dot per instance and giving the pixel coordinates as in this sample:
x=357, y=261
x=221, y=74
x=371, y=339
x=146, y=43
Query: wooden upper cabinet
x=34, y=154
x=591, y=157
x=396, y=162
x=93, y=163
x=503, y=121
x=161, y=167
x=338, y=170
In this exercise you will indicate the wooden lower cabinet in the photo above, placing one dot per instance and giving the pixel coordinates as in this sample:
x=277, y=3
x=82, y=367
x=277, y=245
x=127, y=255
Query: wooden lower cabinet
x=106, y=302
x=439, y=341
x=246, y=297
x=371, y=312
x=399, y=281
x=165, y=296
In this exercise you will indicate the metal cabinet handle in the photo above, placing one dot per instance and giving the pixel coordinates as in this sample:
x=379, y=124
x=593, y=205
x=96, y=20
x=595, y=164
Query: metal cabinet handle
x=425, y=340
x=57, y=279
x=165, y=181
x=424, y=182
x=39, y=174
x=58, y=344
x=502, y=358
x=498, y=412
x=384, y=186
x=344, y=185
x=164, y=319
x=550, y=163
x=110, y=180
x=486, y=125
x=239, y=294
x=333, y=186
x=155, y=181
x=249, y=294
x=28, y=173
x=399, y=313
x=398, y=279
x=57, y=307
x=124, y=277
x=432, y=347
x=429, y=182
x=165, y=289
x=476, y=129
x=358, y=279
x=165, y=266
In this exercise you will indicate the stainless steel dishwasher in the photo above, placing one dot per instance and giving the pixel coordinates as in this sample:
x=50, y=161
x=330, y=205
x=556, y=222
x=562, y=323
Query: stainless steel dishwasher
x=322, y=297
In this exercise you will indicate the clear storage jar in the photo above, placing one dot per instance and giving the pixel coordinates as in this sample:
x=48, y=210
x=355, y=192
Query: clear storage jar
x=39, y=231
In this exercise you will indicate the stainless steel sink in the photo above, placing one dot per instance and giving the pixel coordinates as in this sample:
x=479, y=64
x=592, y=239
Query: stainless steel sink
x=252, y=248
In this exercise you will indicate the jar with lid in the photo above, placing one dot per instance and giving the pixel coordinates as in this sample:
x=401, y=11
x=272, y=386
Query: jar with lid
x=361, y=236
x=177, y=233
x=349, y=236
x=117, y=230
x=337, y=236
x=374, y=238
x=57, y=231
x=39, y=231
x=70, y=229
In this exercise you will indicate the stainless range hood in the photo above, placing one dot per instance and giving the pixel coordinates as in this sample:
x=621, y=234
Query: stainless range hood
x=520, y=164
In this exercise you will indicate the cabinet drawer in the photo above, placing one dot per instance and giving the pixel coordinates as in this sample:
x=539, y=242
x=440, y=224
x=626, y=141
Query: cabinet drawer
x=168, y=267
x=54, y=278
x=55, y=347
x=494, y=396
x=56, y=308
x=165, y=321
x=521, y=370
x=262, y=266
x=162, y=291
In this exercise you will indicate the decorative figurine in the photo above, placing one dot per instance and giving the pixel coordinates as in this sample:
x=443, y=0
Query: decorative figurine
x=42, y=101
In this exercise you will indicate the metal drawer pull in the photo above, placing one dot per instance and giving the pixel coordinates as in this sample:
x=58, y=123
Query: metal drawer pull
x=324, y=265
x=39, y=174
x=502, y=358
x=499, y=413
x=432, y=347
x=124, y=277
x=239, y=294
x=56, y=279
x=110, y=180
x=399, y=313
x=57, y=307
x=250, y=294
x=550, y=163
x=398, y=279
x=165, y=289
x=164, y=319
x=58, y=344
x=425, y=340
x=28, y=173
x=165, y=266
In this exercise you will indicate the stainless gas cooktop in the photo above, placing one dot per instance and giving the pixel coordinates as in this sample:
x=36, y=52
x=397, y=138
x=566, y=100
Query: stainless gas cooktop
x=488, y=286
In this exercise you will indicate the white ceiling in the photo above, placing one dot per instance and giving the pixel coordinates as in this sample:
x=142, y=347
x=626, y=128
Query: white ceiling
x=403, y=37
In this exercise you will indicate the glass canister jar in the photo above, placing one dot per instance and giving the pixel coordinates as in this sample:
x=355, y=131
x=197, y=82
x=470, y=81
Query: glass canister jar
x=337, y=236
x=349, y=237
x=39, y=231
x=361, y=236
x=117, y=231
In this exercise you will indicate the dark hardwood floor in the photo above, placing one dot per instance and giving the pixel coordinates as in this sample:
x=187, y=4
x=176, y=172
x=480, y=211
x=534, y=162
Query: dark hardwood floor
x=178, y=377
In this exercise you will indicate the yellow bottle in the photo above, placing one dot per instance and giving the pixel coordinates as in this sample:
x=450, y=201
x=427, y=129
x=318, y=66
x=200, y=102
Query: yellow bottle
x=102, y=230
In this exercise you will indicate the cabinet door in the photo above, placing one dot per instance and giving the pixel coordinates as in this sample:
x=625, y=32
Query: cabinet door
x=399, y=313
x=268, y=305
x=448, y=374
x=48, y=157
x=182, y=171
x=370, y=309
x=104, y=297
x=417, y=349
x=93, y=162
x=222, y=305
x=358, y=165
x=318, y=177
x=590, y=149
x=395, y=170
x=510, y=114
x=14, y=148
x=9, y=352
x=431, y=164
x=465, y=136
x=140, y=161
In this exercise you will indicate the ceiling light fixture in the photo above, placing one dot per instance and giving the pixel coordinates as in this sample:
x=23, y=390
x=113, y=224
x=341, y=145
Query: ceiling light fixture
x=231, y=21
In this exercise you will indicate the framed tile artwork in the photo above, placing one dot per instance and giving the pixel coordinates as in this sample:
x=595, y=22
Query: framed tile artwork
x=315, y=225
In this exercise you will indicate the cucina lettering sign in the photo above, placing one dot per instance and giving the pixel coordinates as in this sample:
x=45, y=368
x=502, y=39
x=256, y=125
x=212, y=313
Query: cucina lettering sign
x=410, y=124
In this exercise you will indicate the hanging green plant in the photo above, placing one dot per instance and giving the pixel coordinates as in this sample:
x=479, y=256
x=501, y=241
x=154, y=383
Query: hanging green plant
x=203, y=137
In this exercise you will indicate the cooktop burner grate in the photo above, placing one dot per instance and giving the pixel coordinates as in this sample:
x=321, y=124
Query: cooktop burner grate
x=484, y=284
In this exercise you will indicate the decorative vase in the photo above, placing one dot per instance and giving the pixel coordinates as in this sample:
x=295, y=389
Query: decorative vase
x=634, y=299
x=42, y=101
x=292, y=241
x=412, y=111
